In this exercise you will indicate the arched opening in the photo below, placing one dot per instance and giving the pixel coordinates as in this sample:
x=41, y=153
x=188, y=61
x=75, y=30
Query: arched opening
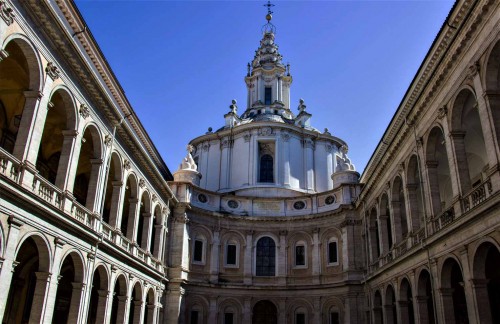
x=377, y=308
x=129, y=208
x=391, y=316
x=119, y=301
x=69, y=290
x=150, y=307
x=135, y=307
x=399, y=210
x=373, y=238
x=144, y=223
x=385, y=223
x=406, y=302
x=453, y=293
x=57, y=139
x=113, y=188
x=438, y=170
x=265, y=261
x=29, y=282
x=468, y=140
x=493, y=86
x=19, y=82
x=415, y=194
x=154, y=243
x=98, y=296
x=87, y=172
x=264, y=312
x=425, y=298
x=487, y=282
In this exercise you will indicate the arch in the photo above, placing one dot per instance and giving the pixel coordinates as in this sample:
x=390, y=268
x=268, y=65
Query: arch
x=197, y=310
x=230, y=311
x=135, y=303
x=98, y=295
x=406, y=302
x=69, y=289
x=399, y=210
x=300, y=310
x=453, y=292
x=26, y=296
x=377, y=307
x=113, y=189
x=438, y=171
x=425, y=298
x=468, y=139
x=118, y=305
x=492, y=85
x=20, y=83
x=486, y=278
x=265, y=257
x=129, y=209
x=89, y=167
x=264, y=312
x=333, y=308
x=415, y=192
x=391, y=316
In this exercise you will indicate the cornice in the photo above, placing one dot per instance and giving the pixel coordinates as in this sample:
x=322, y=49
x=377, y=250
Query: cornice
x=457, y=31
x=94, y=75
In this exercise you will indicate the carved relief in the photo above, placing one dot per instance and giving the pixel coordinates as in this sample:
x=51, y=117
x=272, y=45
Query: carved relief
x=126, y=164
x=107, y=140
x=52, y=71
x=225, y=142
x=142, y=183
x=266, y=131
x=308, y=143
x=84, y=111
x=247, y=137
x=285, y=136
x=442, y=112
x=328, y=148
x=6, y=12
x=205, y=146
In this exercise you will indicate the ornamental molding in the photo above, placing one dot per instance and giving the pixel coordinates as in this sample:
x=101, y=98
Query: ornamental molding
x=225, y=143
x=285, y=136
x=52, y=71
x=474, y=70
x=84, y=111
x=107, y=140
x=442, y=112
x=142, y=183
x=6, y=12
x=247, y=137
x=266, y=131
x=205, y=146
x=350, y=222
x=328, y=148
x=155, y=198
x=308, y=143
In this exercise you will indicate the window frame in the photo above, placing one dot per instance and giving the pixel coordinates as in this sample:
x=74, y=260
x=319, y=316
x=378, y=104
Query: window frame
x=256, y=252
x=336, y=241
x=237, y=254
x=201, y=239
x=304, y=245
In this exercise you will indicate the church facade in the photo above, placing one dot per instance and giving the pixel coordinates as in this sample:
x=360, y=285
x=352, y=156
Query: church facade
x=266, y=219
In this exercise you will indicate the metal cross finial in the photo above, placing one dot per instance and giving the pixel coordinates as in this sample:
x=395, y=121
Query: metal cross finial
x=269, y=5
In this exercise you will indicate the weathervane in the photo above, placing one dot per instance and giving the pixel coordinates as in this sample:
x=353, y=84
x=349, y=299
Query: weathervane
x=269, y=28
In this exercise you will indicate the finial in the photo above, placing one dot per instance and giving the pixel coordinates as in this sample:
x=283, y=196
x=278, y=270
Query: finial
x=233, y=106
x=248, y=69
x=288, y=69
x=269, y=15
x=269, y=28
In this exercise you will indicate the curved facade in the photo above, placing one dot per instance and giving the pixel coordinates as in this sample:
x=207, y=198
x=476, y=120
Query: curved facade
x=266, y=219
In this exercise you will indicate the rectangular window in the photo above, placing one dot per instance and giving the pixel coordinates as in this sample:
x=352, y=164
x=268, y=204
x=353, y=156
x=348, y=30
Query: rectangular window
x=231, y=254
x=194, y=317
x=300, y=255
x=334, y=318
x=198, y=251
x=228, y=318
x=332, y=252
x=268, y=95
x=300, y=318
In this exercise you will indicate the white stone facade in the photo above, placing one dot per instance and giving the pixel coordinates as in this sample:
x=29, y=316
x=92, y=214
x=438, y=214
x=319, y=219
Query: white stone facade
x=266, y=219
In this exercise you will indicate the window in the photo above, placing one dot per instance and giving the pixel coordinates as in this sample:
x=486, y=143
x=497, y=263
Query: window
x=300, y=318
x=198, y=251
x=268, y=95
x=300, y=255
x=266, y=168
x=231, y=252
x=194, y=317
x=332, y=252
x=266, y=257
x=228, y=318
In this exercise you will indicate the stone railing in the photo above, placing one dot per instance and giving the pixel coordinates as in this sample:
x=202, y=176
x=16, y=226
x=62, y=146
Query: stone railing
x=444, y=219
x=9, y=166
x=477, y=195
x=12, y=169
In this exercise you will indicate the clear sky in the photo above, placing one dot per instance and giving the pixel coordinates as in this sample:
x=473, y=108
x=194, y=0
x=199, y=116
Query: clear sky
x=182, y=62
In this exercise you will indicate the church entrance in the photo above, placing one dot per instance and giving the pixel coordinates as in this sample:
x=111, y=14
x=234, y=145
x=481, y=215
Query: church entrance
x=264, y=312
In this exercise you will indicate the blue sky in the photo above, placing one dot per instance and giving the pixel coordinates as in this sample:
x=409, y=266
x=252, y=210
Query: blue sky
x=182, y=62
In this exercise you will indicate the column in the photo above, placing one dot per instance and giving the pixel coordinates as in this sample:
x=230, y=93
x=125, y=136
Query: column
x=175, y=305
x=468, y=289
x=372, y=238
x=316, y=257
x=431, y=167
x=68, y=161
x=212, y=310
x=122, y=314
x=383, y=235
x=137, y=304
x=102, y=301
x=481, y=300
x=247, y=263
x=447, y=312
x=225, y=168
x=9, y=263
x=40, y=298
x=51, y=283
x=92, y=202
x=215, y=258
x=116, y=205
x=462, y=166
x=286, y=159
x=414, y=217
x=32, y=124
x=76, y=301
x=423, y=313
x=282, y=311
x=309, y=163
x=396, y=220
x=152, y=313
x=403, y=311
x=158, y=241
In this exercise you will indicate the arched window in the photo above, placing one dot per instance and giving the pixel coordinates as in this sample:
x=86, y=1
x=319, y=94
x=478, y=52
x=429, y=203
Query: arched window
x=266, y=168
x=266, y=257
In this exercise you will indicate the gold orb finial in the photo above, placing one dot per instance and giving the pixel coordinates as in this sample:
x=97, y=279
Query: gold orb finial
x=269, y=17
